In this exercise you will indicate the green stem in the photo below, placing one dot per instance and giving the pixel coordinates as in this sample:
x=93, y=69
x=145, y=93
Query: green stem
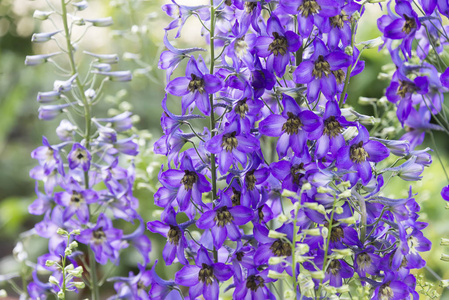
x=212, y=114
x=348, y=72
x=438, y=155
x=93, y=276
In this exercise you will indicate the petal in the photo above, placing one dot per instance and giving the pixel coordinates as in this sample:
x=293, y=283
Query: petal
x=212, y=84
x=178, y=86
x=272, y=125
x=219, y=234
x=241, y=214
x=206, y=220
x=303, y=74
x=376, y=150
x=364, y=170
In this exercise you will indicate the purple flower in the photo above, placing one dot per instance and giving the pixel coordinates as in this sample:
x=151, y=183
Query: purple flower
x=203, y=277
x=391, y=288
x=196, y=86
x=174, y=232
x=277, y=46
x=358, y=155
x=321, y=70
x=254, y=286
x=292, y=127
x=104, y=240
x=231, y=146
x=224, y=220
x=79, y=156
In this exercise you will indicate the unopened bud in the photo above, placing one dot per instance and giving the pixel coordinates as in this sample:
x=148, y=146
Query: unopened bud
x=302, y=258
x=339, y=210
x=101, y=22
x=324, y=232
x=302, y=248
x=342, y=253
x=444, y=257
x=73, y=245
x=287, y=193
x=356, y=16
x=77, y=272
x=43, y=36
x=276, y=235
x=345, y=194
x=289, y=294
x=344, y=185
x=3, y=294
x=61, y=231
x=306, y=186
x=444, y=283
x=82, y=5
x=312, y=232
x=317, y=274
x=118, y=76
x=350, y=220
x=104, y=58
x=343, y=289
x=75, y=232
x=444, y=242
x=283, y=218
x=61, y=295
x=275, y=260
x=34, y=60
x=324, y=190
x=53, y=280
x=78, y=284
x=349, y=50
x=67, y=252
x=275, y=275
x=50, y=263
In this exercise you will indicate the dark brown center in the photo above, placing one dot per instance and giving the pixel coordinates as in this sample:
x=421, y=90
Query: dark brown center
x=229, y=141
x=174, y=235
x=409, y=25
x=223, y=217
x=281, y=248
x=189, y=179
x=332, y=127
x=279, y=45
x=254, y=282
x=196, y=84
x=206, y=274
x=321, y=67
x=293, y=124
x=357, y=153
x=241, y=108
x=309, y=7
x=250, y=180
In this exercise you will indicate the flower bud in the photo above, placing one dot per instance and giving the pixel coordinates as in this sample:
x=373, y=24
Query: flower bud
x=341, y=253
x=306, y=186
x=349, y=50
x=444, y=242
x=356, y=16
x=287, y=193
x=104, y=58
x=345, y=194
x=75, y=232
x=53, y=280
x=275, y=260
x=283, y=218
x=302, y=248
x=69, y=267
x=350, y=220
x=324, y=190
x=34, y=60
x=444, y=257
x=61, y=295
x=367, y=101
x=343, y=289
x=3, y=294
x=312, y=232
x=276, y=235
x=315, y=206
x=50, y=263
x=444, y=283
x=302, y=258
x=61, y=231
x=77, y=272
x=101, y=22
x=49, y=112
x=289, y=294
x=67, y=252
x=43, y=36
x=82, y=5
x=324, y=232
x=118, y=76
x=78, y=284
x=339, y=210
x=317, y=274
x=47, y=97
x=275, y=275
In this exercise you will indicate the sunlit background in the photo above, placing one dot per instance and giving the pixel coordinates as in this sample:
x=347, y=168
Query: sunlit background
x=138, y=30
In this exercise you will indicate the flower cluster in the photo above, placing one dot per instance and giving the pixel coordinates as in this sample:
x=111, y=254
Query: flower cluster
x=84, y=182
x=313, y=210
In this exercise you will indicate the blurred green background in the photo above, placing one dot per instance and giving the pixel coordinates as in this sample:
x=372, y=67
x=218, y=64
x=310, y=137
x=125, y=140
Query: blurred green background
x=138, y=29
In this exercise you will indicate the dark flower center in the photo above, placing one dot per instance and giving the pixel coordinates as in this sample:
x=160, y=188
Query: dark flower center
x=339, y=20
x=250, y=180
x=241, y=108
x=364, y=261
x=229, y=141
x=405, y=87
x=196, y=84
x=385, y=292
x=76, y=197
x=261, y=214
x=250, y=6
x=279, y=45
x=228, y=2
x=293, y=124
x=223, y=217
x=80, y=155
x=357, y=153
x=409, y=25
x=339, y=76
x=332, y=127
x=254, y=282
x=337, y=232
x=235, y=197
x=309, y=7
x=99, y=235
x=334, y=267
x=239, y=255
x=189, y=179
x=281, y=248
x=321, y=67
x=296, y=172
x=206, y=274
x=174, y=234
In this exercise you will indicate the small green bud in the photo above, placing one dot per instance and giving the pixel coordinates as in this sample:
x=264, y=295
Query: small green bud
x=73, y=245
x=53, y=280
x=75, y=232
x=283, y=218
x=61, y=231
x=276, y=235
x=77, y=272
x=61, y=295
x=287, y=193
x=343, y=252
x=444, y=242
x=312, y=232
x=3, y=294
x=317, y=274
x=275, y=260
x=306, y=186
x=343, y=289
x=324, y=190
x=78, y=284
x=444, y=283
x=339, y=210
x=275, y=275
x=289, y=294
x=350, y=220
x=444, y=257
x=50, y=263
x=67, y=252
x=302, y=248
x=349, y=51
x=345, y=194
